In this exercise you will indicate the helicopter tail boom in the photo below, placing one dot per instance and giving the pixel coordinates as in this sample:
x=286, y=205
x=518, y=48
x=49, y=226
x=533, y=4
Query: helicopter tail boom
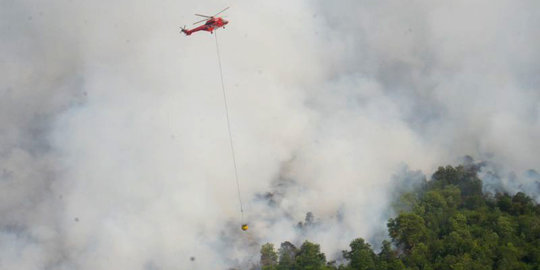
x=186, y=31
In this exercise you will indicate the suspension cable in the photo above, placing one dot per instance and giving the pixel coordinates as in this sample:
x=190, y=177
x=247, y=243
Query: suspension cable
x=229, y=128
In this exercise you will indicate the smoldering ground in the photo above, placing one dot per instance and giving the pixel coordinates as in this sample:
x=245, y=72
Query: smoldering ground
x=113, y=143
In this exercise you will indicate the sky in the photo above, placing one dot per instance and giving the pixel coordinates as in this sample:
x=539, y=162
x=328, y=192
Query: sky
x=114, y=149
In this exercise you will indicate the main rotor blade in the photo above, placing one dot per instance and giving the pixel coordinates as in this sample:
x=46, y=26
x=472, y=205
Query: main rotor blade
x=209, y=17
x=221, y=11
x=200, y=21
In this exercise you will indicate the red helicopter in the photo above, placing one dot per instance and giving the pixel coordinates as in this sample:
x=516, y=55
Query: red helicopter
x=211, y=23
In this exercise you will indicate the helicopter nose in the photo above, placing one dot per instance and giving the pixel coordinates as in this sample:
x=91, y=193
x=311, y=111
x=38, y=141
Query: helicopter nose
x=225, y=22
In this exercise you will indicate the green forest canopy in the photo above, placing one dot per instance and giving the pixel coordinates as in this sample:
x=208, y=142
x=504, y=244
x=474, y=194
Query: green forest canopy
x=446, y=223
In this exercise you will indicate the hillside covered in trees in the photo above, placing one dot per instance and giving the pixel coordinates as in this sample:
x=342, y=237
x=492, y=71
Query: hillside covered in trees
x=446, y=223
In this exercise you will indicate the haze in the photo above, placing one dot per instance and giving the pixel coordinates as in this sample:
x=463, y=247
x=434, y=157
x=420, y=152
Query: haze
x=114, y=150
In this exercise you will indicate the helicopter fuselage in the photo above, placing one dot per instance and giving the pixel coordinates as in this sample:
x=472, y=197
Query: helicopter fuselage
x=210, y=25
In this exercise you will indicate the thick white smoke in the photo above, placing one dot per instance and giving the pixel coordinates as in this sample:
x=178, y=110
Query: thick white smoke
x=114, y=150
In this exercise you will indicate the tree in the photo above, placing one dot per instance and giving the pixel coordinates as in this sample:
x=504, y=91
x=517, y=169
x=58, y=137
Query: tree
x=309, y=257
x=388, y=258
x=407, y=230
x=287, y=253
x=268, y=257
x=361, y=256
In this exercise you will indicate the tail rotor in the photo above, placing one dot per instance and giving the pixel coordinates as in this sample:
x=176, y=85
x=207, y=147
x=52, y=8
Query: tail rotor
x=185, y=31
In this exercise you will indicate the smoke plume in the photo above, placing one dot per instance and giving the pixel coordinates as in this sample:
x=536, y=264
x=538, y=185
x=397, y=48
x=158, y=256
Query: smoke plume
x=114, y=151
